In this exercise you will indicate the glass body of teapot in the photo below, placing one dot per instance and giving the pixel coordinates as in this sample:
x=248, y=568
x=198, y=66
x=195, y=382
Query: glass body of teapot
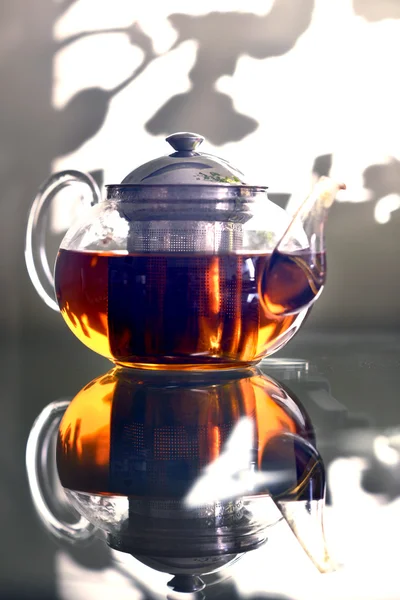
x=183, y=265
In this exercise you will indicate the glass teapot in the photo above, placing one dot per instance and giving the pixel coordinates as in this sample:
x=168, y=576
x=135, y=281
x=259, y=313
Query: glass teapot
x=184, y=471
x=183, y=265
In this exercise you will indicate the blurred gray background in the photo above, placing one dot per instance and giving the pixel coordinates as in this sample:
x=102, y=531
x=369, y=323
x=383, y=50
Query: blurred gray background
x=285, y=89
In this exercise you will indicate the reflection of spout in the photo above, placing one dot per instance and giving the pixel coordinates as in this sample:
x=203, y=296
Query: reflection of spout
x=305, y=519
x=302, y=502
x=296, y=273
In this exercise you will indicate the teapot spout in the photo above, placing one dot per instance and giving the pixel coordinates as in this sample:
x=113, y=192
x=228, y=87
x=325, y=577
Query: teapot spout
x=296, y=273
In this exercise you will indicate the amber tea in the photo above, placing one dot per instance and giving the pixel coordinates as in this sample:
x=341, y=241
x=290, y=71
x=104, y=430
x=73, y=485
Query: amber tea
x=184, y=310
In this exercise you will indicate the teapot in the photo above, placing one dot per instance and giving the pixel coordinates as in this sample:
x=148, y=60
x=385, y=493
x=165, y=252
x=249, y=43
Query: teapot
x=183, y=265
x=185, y=471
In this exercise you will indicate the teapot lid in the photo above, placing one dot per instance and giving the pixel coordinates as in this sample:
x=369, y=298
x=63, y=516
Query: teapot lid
x=185, y=166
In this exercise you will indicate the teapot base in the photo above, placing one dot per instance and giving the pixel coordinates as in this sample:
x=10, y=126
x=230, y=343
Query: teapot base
x=212, y=366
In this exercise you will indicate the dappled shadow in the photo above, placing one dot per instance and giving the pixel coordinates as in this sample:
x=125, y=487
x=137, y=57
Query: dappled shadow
x=383, y=179
x=322, y=165
x=383, y=183
x=222, y=38
x=377, y=10
x=85, y=113
x=212, y=113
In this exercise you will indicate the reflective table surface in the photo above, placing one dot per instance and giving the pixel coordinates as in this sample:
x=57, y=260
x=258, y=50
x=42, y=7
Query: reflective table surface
x=347, y=382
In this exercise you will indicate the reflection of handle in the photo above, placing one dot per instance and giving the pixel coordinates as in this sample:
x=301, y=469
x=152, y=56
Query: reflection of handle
x=35, y=247
x=39, y=442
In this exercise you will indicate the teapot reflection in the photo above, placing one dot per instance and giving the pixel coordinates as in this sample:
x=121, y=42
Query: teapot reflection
x=184, y=471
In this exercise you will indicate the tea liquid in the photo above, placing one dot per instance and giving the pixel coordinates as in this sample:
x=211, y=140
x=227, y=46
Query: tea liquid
x=180, y=310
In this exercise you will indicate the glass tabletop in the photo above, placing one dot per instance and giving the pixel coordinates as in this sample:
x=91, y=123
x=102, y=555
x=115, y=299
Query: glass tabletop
x=347, y=383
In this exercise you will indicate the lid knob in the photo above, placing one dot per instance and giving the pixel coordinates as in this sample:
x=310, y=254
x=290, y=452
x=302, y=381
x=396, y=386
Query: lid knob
x=184, y=141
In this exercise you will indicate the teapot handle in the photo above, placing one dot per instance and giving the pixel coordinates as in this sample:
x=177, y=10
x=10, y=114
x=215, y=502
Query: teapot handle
x=37, y=450
x=35, y=246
